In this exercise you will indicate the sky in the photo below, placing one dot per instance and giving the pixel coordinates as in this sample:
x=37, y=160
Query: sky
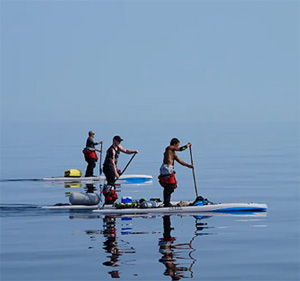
x=149, y=61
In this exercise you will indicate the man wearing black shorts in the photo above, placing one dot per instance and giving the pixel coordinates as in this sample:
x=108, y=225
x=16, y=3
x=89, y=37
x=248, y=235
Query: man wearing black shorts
x=110, y=166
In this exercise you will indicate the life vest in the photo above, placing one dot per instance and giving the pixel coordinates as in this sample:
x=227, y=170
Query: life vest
x=110, y=195
x=167, y=180
x=109, y=156
x=90, y=154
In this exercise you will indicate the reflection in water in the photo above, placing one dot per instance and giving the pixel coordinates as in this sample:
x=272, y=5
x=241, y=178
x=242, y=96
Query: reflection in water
x=178, y=258
x=110, y=245
x=90, y=188
x=170, y=253
x=72, y=184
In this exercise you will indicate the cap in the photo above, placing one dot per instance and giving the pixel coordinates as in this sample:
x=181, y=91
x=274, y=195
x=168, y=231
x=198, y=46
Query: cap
x=118, y=138
x=91, y=133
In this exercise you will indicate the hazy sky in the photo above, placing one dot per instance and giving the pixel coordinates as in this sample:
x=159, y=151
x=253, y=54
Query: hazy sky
x=208, y=61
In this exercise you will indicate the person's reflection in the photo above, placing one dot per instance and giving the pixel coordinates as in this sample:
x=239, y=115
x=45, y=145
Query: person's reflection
x=90, y=188
x=110, y=245
x=168, y=249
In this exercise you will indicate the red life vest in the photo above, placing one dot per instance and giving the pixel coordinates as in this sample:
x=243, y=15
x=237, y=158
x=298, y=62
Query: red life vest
x=110, y=196
x=90, y=154
x=167, y=180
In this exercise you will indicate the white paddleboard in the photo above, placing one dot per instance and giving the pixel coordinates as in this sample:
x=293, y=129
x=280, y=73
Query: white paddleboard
x=124, y=178
x=221, y=207
x=71, y=207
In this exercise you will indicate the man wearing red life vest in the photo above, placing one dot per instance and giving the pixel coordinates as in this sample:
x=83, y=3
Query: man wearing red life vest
x=167, y=172
x=90, y=154
x=110, y=168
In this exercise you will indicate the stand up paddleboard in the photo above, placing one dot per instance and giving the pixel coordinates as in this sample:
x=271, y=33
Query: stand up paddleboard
x=220, y=207
x=134, y=179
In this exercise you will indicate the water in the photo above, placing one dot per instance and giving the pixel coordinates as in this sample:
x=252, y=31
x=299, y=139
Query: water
x=234, y=163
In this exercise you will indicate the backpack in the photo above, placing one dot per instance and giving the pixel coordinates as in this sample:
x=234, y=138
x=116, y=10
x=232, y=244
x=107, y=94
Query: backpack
x=200, y=201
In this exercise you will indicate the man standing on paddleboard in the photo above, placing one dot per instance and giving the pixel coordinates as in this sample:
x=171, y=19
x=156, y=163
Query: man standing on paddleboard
x=110, y=168
x=167, y=172
x=90, y=154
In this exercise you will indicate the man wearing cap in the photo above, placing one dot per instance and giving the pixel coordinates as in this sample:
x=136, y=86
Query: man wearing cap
x=90, y=154
x=111, y=160
x=110, y=167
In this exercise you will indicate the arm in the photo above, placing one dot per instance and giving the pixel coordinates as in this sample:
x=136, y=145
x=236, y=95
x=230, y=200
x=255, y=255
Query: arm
x=90, y=145
x=182, y=148
x=181, y=162
x=93, y=149
x=96, y=143
x=127, y=151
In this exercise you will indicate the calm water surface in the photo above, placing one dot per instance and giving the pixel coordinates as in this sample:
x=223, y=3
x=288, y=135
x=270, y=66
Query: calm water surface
x=234, y=163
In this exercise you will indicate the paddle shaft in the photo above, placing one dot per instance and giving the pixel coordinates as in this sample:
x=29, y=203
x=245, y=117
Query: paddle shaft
x=192, y=162
x=128, y=164
x=100, y=164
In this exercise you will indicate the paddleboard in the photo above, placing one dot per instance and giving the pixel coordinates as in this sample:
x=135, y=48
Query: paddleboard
x=220, y=207
x=124, y=178
x=71, y=207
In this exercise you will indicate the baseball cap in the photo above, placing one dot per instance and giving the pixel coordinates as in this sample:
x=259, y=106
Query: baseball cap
x=118, y=138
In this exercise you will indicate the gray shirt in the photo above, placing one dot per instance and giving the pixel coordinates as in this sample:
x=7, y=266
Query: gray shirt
x=90, y=144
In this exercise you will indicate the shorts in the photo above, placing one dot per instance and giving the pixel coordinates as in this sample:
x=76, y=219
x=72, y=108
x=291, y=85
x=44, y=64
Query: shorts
x=166, y=170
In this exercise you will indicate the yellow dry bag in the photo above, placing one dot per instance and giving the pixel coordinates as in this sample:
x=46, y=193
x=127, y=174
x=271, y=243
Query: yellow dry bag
x=73, y=173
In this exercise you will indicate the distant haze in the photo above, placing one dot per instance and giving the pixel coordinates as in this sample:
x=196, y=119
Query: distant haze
x=150, y=61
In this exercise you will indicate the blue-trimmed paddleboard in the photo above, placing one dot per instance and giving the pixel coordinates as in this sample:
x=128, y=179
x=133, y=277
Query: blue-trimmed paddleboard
x=221, y=207
x=211, y=208
x=133, y=179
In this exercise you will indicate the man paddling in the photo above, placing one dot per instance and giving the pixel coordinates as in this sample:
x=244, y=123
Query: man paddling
x=167, y=172
x=90, y=154
x=110, y=168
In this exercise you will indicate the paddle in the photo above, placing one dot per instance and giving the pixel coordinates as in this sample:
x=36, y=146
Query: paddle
x=100, y=170
x=100, y=163
x=196, y=190
x=127, y=164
